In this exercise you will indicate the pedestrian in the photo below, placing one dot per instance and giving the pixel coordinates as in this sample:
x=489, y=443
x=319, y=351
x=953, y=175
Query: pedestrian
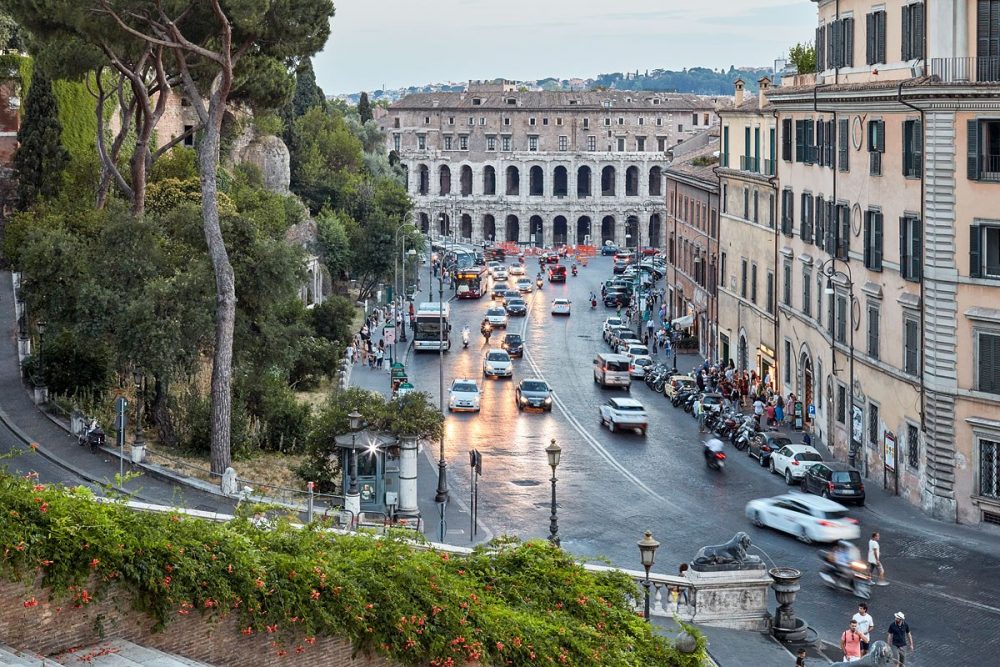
x=850, y=642
x=699, y=413
x=800, y=658
x=758, y=411
x=678, y=592
x=779, y=410
x=899, y=637
x=770, y=413
x=350, y=355
x=865, y=624
x=875, y=561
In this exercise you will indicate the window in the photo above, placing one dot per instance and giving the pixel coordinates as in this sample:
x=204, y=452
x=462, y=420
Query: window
x=532, y=144
x=911, y=346
x=806, y=293
x=843, y=148
x=843, y=231
x=841, y=403
x=395, y=122
x=491, y=143
x=786, y=139
x=724, y=158
x=743, y=278
x=640, y=143
x=842, y=318
x=831, y=314
x=912, y=149
x=788, y=363
x=753, y=282
x=506, y=121
x=463, y=143
x=873, y=429
x=912, y=446
x=591, y=143
x=983, y=154
x=989, y=468
x=482, y=120
x=694, y=119
x=505, y=143
x=472, y=121
x=873, y=330
x=621, y=144
x=875, y=46
x=427, y=120
x=421, y=141
x=545, y=121
x=876, y=146
x=559, y=122
x=451, y=120
x=769, y=297
x=607, y=122
x=756, y=206
x=840, y=43
x=746, y=203
x=806, y=226
x=819, y=302
x=586, y=123
x=786, y=286
x=621, y=120
x=447, y=143
x=722, y=268
x=659, y=122
x=984, y=251
x=641, y=120
x=512, y=101
x=476, y=101
x=913, y=31
x=787, y=212
x=725, y=197
x=563, y=143
x=680, y=128
x=396, y=142
x=910, y=248
x=705, y=118
x=873, y=240
x=770, y=211
x=988, y=355
x=819, y=234
x=531, y=121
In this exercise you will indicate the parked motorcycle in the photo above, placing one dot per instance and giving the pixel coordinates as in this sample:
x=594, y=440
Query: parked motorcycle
x=746, y=432
x=92, y=435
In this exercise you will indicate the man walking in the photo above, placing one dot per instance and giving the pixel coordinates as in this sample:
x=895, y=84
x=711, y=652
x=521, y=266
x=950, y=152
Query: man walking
x=875, y=561
x=850, y=642
x=899, y=637
x=865, y=624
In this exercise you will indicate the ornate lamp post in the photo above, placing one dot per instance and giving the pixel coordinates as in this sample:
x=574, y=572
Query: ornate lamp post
x=352, y=499
x=829, y=269
x=553, y=452
x=137, y=376
x=41, y=350
x=647, y=552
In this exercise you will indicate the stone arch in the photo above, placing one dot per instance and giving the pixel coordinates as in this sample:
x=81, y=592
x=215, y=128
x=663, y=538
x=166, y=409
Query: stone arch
x=423, y=180
x=489, y=227
x=513, y=228
x=465, y=180
x=583, y=179
x=632, y=231
x=742, y=352
x=536, y=227
x=513, y=183
x=608, y=181
x=444, y=225
x=632, y=181
x=608, y=229
x=536, y=181
x=466, y=227
x=807, y=378
x=560, y=232
x=444, y=179
x=653, y=239
x=655, y=182
x=583, y=231
x=489, y=180
x=425, y=223
x=560, y=182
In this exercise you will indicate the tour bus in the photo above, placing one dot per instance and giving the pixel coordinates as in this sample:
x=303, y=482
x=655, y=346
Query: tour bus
x=471, y=282
x=432, y=330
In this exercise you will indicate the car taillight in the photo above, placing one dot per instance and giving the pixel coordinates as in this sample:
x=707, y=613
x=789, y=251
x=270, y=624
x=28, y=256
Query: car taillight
x=825, y=523
x=794, y=462
x=854, y=521
x=829, y=486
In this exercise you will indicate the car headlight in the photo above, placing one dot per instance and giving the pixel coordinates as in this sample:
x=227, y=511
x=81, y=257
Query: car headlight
x=548, y=401
x=524, y=401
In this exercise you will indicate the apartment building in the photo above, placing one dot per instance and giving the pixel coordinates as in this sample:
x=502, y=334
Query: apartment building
x=748, y=249
x=889, y=173
x=542, y=168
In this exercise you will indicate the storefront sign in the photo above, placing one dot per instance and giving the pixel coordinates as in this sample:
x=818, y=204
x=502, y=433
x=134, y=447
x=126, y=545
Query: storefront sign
x=798, y=415
x=889, y=445
x=857, y=424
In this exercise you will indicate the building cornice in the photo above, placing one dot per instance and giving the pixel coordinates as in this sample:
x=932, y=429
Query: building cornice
x=748, y=176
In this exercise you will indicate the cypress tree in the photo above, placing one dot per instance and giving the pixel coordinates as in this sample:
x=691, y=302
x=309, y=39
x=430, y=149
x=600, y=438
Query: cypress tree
x=40, y=156
x=364, y=109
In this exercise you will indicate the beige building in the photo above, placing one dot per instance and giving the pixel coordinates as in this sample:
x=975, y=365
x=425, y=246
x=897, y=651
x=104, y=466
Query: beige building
x=889, y=172
x=748, y=248
x=542, y=168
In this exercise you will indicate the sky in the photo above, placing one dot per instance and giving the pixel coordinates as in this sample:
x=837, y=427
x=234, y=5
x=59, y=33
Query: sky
x=396, y=43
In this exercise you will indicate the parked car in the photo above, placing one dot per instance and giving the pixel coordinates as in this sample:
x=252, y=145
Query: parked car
x=619, y=266
x=624, y=413
x=497, y=363
x=513, y=344
x=764, y=444
x=834, y=480
x=610, y=323
x=464, y=396
x=637, y=368
x=711, y=402
x=633, y=351
x=791, y=461
x=609, y=249
x=615, y=298
x=560, y=306
x=497, y=315
x=533, y=393
x=678, y=383
x=516, y=307
x=808, y=518
x=626, y=341
x=617, y=333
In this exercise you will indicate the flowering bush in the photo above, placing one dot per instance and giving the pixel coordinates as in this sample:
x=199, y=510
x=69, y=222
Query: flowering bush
x=509, y=603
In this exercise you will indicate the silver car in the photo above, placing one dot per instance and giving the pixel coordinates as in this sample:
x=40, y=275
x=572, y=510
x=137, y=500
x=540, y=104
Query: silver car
x=497, y=363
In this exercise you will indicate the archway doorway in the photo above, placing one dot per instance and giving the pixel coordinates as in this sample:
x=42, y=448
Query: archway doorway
x=424, y=176
x=536, y=181
x=489, y=180
x=608, y=182
x=513, y=181
x=654, y=239
x=425, y=223
x=583, y=233
x=466, y=180
x=444, y=225
x=489, y=227
x=583, y=182
x=808, y=385
x=513, y=228
x=608, y=229
x=537, y=232
x=559, y=232
x=632, y=182
x=467, y=226
x=560, y=182
x=742, y=353
x=631, y=231
x=444, y=178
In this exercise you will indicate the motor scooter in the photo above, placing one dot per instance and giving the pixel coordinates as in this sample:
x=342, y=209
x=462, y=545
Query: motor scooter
x=715, y=460
x=593, y=304
x=92, y=435
x=573, y=269
x=538, y=283
x=853, y=576
x=465, y=337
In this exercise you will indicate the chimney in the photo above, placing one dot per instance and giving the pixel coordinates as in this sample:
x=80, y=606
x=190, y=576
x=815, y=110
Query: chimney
x=765, y=85
x=739, y=92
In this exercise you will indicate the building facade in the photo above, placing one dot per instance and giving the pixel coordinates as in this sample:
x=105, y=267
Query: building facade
x=693, y=245
x=890, y=246
x=748, y=248
x=542, y=168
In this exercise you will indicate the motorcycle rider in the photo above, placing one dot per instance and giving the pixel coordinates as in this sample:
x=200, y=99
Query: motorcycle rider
x=465, y=336
x=712, y=447
x=573, y=268
x=486, y=329
x=593, y=300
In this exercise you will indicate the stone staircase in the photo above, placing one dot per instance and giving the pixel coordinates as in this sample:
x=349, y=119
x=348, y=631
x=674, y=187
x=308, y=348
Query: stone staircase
x=112, y=653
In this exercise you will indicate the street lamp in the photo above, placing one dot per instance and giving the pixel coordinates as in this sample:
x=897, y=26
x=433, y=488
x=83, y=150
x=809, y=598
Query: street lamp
x=828, y=268
x=352, y=499
x=137, y=376
x=41, y=350
x=647, y=552
x=553, y=452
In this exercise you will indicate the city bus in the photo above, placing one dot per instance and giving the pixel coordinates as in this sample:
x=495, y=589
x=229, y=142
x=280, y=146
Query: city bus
x=432, y=329
x=471, y=282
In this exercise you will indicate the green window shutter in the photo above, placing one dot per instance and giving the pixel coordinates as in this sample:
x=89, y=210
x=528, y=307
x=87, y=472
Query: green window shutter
x=880, y=55
x=868, y=240
x=820, y=49
x=877, y=241
x=975, y=251
x=870, y=39
x=917, y=43
x=989, y=363
x=917, y=247
x=844, y=161
x=973, y=150
x=918, y=148
x=906, y=34
x=849, y=42
x=904, y=249
x=786, y=139
x=907, y=147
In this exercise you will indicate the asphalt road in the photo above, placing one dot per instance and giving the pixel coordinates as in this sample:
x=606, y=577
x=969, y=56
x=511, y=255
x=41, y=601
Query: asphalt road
x=612, y=487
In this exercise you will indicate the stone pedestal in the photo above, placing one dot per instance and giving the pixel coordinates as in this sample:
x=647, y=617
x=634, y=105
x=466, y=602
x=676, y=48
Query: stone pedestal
x=787, y=627
x=352, y=503
x=41, y=395
x=731, y=598
x=408, y=478
x=230, y=483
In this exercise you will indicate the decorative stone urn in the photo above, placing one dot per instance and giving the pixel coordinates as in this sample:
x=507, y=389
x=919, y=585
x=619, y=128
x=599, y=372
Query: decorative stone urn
x=785, y=585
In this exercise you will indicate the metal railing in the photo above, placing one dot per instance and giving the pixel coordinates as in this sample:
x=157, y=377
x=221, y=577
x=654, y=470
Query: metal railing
x=769, y=167
x=989, y=168
x=749, y=163
x=965, y=70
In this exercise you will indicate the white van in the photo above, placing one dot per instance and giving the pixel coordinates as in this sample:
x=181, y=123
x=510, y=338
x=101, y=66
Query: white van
x=612, y=370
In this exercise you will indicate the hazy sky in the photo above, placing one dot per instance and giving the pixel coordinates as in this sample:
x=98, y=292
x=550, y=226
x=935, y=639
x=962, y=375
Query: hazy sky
x=409, y=42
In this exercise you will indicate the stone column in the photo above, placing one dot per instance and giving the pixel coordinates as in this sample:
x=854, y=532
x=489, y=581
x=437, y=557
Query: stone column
x=408, y=477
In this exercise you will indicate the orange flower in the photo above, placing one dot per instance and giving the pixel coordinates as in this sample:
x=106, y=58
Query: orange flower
x=94, y=563
x=310, y=640
x=28, y=604
x=247, y=631
x=314, y=594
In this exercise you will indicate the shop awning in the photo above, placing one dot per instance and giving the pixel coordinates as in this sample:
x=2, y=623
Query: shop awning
x=683, y=322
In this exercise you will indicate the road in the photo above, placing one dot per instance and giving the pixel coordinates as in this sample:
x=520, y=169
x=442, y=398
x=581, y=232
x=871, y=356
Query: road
x=612, y=487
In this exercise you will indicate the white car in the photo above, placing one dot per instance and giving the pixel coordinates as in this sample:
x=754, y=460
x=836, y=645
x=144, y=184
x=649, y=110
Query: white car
x=497, y=315
x=493, y=266
x=525, y=285
x=560, y=306
x=464, y=396
x=809, y=518
x=624, y=413
x=497, y=363
x=637, y=366
x=626, y=342
x=500, y=273
x=791, y=461
x=609, y=324
x=633, y=351
x=516, y=270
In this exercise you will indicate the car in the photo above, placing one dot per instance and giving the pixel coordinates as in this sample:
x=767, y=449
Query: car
x=513, y=344
x=497, y=316
x=551, y=257
x=624, y=413
x=493, y=266
x=764, y=444
x=525, y=285
x=627, y=341
x=510, y=294
x=809, y=518
x=500, y=273
x=608, y=324
x=516, y=306
x=633, y=351
x=516, y=270
x=560, y=306
x=791, y=461
x=712, y=402
x=497, y=363
x=614, y=298
x=557, y=273
x=499, y=289
x=464, y=396
x=609, y=249
x=834, y=480
x=533, y=393
x=619, y=266
x=618, y=333
x=678, y=383
x=640, y=363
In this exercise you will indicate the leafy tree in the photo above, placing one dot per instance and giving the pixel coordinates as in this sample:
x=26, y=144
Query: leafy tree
x=40, y=157
x=10, y=33
x=333, y=318
x=803, y=56
x=327, y=160
x=308, y=94
x=334, y=244
x=364, y=109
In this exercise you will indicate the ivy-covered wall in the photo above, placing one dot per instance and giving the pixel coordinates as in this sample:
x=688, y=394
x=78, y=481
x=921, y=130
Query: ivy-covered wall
x=76, y=113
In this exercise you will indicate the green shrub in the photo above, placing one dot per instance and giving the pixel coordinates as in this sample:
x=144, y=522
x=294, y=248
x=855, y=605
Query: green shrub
x=71, y=365
x=315, y=358
x=284, y=421
x=332, y=319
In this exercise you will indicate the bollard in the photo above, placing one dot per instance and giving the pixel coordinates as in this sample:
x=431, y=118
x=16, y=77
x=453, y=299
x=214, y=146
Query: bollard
x=309, y=503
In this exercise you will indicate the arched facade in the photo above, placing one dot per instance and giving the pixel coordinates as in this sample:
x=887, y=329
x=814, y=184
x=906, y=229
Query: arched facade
x=655, y=227
x=424, y=180
x=584, y=176
x=489, y=180
x=513, y=181
x=425, y=223
x=537, y=231
x=631, y=231
x=513, y=229
x=489, y=227
x=608, y=177
x=536, y=181
x=632, y=181
x=444, y=225
x=466, y=180
x=444, y=180
x=584, y=232
x=655, y=182
x=560, y=235
x=608, y=229
x=467, y=226
x=560, y=182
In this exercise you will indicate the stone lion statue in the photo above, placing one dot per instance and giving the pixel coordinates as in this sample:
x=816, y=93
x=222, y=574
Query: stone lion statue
x=733, y=552
x=879, y=655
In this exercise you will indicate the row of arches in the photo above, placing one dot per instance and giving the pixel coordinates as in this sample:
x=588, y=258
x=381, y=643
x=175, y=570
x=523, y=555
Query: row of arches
x=537, y=232
x=536, y=181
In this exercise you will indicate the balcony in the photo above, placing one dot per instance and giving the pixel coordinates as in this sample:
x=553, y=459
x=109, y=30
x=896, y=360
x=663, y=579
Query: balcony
x=989, y=168
x=769, y=167
x=724, y=160
x=748, y=163
x=965, y=70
